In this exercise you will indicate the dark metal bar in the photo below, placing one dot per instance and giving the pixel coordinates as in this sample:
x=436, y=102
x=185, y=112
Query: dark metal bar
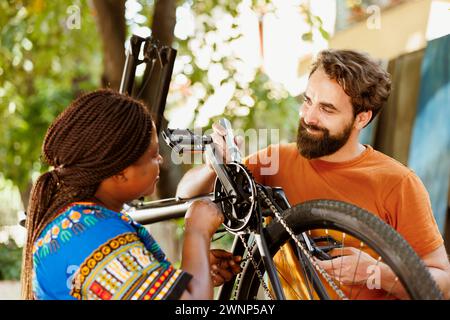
x=310, y=272
x=167, y=56
x=131, y=62
x=269, y=266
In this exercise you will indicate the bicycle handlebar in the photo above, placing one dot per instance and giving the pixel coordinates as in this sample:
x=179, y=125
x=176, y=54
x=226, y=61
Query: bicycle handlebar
x=182, y=140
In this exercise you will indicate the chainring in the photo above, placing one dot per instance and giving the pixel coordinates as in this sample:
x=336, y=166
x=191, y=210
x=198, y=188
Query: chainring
x=238, y=212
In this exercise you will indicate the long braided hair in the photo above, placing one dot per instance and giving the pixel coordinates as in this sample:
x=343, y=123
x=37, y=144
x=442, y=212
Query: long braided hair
x=97, y=136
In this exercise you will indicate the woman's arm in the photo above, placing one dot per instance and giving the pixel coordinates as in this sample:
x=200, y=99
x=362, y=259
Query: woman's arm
x=197, y=181
x=196, y=262
x=201, y=221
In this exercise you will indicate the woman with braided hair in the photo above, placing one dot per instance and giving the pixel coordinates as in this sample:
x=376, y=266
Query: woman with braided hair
x=104, y=151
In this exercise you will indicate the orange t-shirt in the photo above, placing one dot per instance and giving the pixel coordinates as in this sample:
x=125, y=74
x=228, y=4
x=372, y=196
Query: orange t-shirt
x=372, y=181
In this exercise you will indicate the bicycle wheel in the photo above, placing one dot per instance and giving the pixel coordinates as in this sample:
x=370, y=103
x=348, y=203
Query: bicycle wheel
x=324, y=221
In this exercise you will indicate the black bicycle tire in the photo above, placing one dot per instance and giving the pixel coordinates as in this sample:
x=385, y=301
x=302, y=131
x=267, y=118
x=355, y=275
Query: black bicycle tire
x=337, y=215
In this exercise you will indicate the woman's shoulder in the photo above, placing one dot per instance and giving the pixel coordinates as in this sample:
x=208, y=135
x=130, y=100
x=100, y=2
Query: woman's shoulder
x=78, y=221
x=84, y=236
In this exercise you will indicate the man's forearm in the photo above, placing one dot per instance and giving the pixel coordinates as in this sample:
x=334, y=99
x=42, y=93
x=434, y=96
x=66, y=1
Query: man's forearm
x=390, y=284
x=442, y=279
x=198, y=180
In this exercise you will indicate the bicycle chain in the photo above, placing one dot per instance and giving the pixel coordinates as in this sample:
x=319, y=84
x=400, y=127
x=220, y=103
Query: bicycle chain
x=274, y=210
x=255, y=266
x=239, y=276
x=304, y=250
x=252, y=260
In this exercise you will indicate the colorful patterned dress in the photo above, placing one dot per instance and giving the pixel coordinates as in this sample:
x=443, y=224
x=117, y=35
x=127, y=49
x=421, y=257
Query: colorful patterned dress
x=90, y=252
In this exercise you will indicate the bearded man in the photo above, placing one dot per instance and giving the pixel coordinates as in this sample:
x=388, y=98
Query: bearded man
x=345, y=91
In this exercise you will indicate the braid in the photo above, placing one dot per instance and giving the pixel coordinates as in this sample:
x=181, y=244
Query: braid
x=97, y=136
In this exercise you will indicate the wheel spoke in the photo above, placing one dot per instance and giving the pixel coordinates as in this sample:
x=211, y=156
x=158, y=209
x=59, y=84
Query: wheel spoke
x=392, y=287
x=286, y=280
x=342, y=253
x=311, y=296
x=332, y=266
x=361, y=245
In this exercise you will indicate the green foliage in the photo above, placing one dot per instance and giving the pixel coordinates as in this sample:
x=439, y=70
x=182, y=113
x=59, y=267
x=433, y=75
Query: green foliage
x=10, y=202
x=256, y=102
x=229, y=6
x=10, y=260
x=43, y=65
x=314, y=22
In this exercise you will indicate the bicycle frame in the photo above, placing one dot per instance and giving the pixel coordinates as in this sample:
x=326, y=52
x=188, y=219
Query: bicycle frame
x=165, y=209
x=161, y=210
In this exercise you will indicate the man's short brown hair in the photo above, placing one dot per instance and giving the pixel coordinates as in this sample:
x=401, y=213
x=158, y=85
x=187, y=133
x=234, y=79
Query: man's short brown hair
x=361, y=78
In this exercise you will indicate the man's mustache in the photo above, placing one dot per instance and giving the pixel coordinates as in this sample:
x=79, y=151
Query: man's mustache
x=312, y=127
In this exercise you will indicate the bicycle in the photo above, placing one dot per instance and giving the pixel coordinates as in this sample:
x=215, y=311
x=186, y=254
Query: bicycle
x=264, y=224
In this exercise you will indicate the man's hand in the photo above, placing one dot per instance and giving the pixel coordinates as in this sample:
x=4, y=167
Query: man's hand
x=218, y=136
x=201, y=179
x=350, y=266
x=223, y=266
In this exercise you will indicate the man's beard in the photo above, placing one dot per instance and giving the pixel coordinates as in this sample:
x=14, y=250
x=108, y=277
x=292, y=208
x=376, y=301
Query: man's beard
x=318, y=145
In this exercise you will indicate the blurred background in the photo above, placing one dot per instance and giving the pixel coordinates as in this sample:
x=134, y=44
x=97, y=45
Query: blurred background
x=245, y=60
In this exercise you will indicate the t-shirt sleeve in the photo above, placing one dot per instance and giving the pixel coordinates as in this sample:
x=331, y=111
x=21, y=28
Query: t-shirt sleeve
x=123, y=269
x=410, y=212
x=264, y=163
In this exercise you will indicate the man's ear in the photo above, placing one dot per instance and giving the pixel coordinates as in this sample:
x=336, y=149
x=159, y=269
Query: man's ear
x=362, y=119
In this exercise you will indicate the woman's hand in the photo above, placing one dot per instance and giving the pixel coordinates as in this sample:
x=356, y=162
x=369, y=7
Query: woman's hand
x=204, y=217
x=223, y=266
